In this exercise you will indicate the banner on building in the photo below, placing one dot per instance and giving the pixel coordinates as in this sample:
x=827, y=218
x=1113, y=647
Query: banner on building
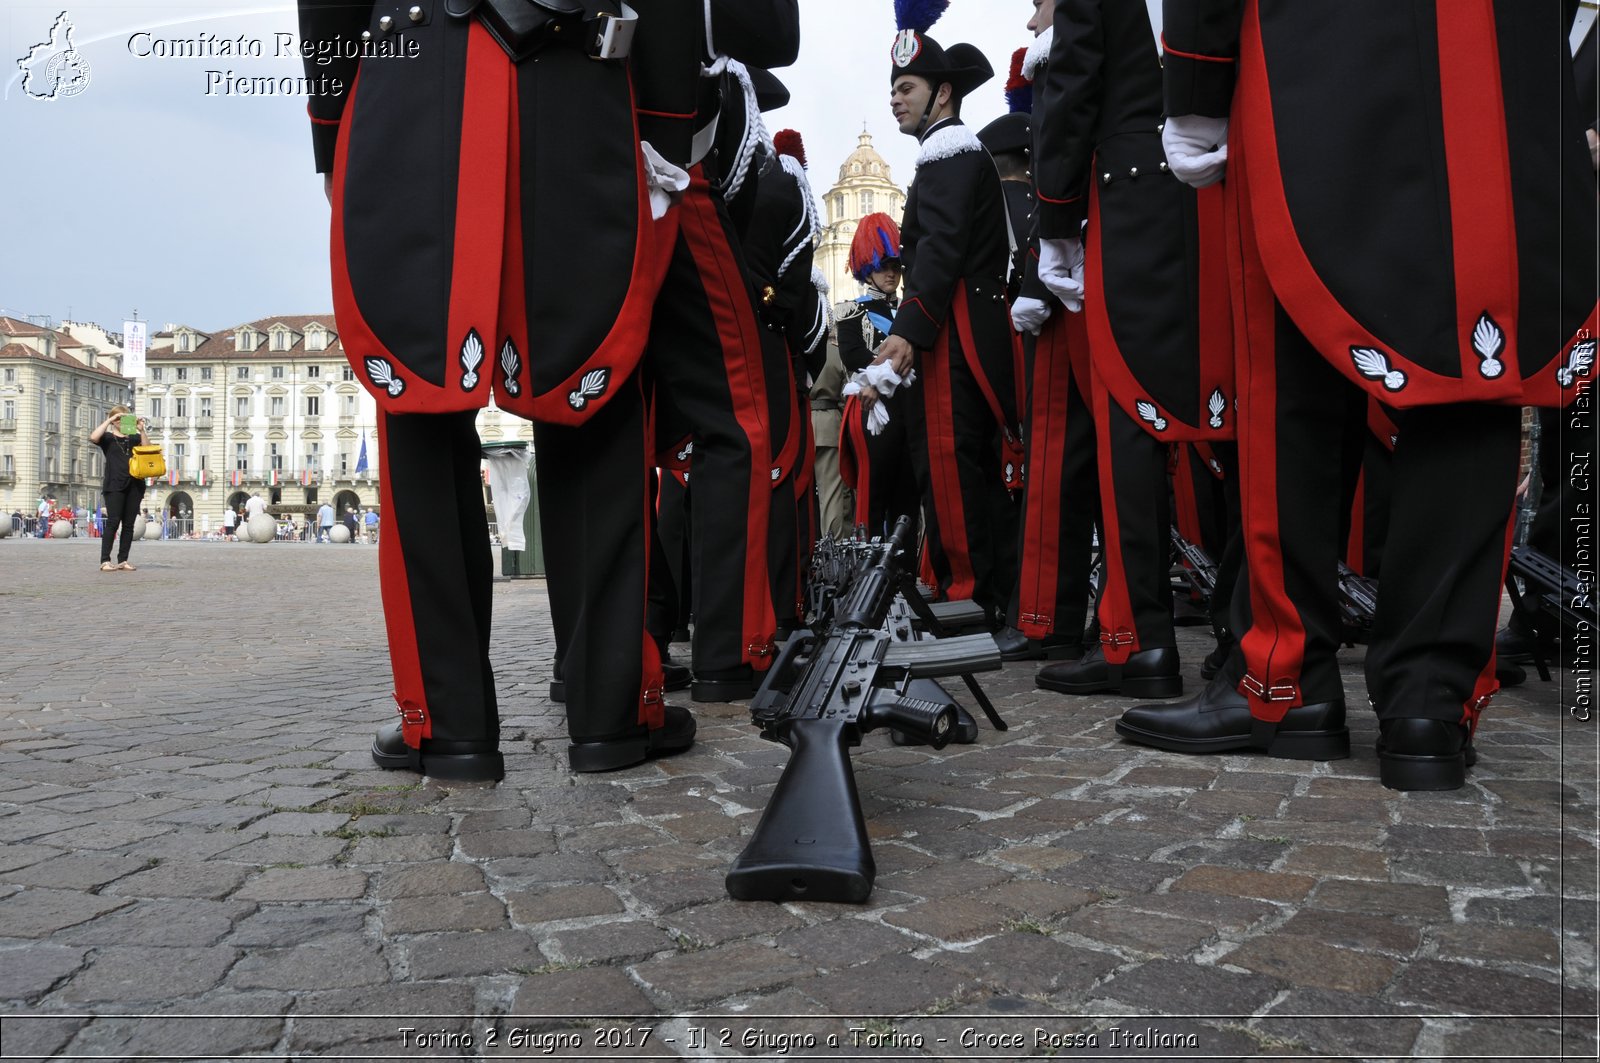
x=133, y=345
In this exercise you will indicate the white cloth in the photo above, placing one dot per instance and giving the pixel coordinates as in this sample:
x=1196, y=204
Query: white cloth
x=508, y=481
x=1029, y=315
x=1061, y=270
x=666, y=181
x=1196, y=147
x=880, y=377
x=254, y=506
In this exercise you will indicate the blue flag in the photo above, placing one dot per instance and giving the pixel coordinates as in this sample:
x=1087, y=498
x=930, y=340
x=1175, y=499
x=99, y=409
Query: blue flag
x=361, y=461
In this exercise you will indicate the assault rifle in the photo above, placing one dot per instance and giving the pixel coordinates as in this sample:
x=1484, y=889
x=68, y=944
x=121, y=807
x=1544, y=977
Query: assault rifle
x=820, y=696
x=1199, y=569
x=1553, y=595
x=1358, y=604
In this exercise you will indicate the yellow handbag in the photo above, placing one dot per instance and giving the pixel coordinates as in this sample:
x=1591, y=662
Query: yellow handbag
x=146, y=462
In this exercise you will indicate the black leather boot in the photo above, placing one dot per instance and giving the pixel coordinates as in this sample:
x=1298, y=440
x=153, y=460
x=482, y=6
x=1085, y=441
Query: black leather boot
x=438, y=759
x=1218, y=720
x=1423, y=754
x=1015, y=646
x=1147, y=674
x=675, y=735
x=734, y=684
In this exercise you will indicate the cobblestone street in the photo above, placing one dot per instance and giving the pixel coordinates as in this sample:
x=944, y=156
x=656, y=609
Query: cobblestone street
x=199, y=860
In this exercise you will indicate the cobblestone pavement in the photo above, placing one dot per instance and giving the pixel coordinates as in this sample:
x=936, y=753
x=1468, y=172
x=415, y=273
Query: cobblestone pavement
x=200, y=861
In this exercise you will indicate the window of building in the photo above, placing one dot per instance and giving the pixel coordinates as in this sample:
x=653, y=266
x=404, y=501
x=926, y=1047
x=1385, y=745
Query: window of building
x=11, y=375
x=348, y=374
x=180, y=407
x=155, y=409
x=277, y=372
x=344, y=463
x=9, y=410
x=185, y=343
x=316, y=340
x=242, y=373
x=313, y=406
x=183, y=372
x=247, y=340
x=866, y=203
x=205, y=406
x=313, y=372
x=202, y=459
x=241, y=406
x=156, y=373
x=241, y=456
x=8, y=464
x=314, y=454
x=277, y=406
x=180, y=452
x=280, y=339
x=205, y=374
x=275, y=456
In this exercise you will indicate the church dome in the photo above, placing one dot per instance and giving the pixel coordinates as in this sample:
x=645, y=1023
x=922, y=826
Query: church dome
x=864, y=162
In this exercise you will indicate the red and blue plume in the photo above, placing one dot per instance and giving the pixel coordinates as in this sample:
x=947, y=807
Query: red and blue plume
x=1019, y=90
x=788, y=142
x=877, y=240
x=918, y=14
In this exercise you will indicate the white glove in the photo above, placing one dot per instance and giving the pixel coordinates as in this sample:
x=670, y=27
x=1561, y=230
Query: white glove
x=1197, y=148
x=881, y=378
x=1061, y=270
x=1029, y=315
x=666, y=180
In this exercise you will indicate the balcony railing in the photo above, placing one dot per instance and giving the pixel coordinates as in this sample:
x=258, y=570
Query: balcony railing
x=177, y=424
x=202, y=424
x=8, y=424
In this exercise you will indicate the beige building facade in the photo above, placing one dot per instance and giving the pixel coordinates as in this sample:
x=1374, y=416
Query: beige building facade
x=864, y=187
x=54, y=389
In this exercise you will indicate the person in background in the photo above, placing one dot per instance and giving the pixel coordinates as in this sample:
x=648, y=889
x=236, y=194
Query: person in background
x=122, y=492
x=324, y=523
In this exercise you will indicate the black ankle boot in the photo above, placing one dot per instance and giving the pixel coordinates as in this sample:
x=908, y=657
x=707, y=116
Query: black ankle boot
x=1218, y=720
x=1146, y=674
x=438, y=759
x=1423, y=754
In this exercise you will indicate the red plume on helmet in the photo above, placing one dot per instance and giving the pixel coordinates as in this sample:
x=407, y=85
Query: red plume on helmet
x=877, y=241
x=788, y=142
x=1019, y=90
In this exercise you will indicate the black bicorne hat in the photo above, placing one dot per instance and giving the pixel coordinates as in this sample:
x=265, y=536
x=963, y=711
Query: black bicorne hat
x=770, y=92
x=1008, y=133
x=962, y=65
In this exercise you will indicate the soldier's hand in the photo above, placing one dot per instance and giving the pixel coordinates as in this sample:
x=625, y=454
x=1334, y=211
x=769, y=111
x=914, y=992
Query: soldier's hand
x=868, y=397
x=1029, y=315
x=1197, y=148
x=898, y=352
x=1061, y=270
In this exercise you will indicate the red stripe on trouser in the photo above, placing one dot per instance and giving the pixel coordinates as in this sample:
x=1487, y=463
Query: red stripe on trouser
x=1355, y=546
x=1119, y=635
x=1487, y=684
x=853, y=454
x=1274, y=647
x=651, y=704
x=1187, y=510
x=727, y=296
x=1041, y=515
x=944, y=477
x=405, y=658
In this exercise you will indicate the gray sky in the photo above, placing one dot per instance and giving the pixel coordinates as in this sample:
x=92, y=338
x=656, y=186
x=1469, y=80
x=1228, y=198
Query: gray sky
x=143, y=192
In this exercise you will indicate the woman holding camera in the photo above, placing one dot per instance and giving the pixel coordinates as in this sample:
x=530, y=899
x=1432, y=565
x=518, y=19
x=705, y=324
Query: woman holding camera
x=123, y=493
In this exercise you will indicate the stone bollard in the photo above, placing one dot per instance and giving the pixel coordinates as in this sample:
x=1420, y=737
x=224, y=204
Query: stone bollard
x=5, y=526
x=152, y=530
x=139, y=526
x=61, y=529
x=261, y=528
x=339, y=534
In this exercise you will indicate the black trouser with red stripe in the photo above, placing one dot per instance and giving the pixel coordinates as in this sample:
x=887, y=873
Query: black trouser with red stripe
x=886, y=485
x=436, y=572
x=1302, y=429
x=595, y=507
x=1061, y=495
x=705, y=355
x=956, y=455
x=1135, y=608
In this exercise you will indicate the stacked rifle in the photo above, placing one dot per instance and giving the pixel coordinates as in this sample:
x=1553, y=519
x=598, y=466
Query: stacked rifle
x=859, y=667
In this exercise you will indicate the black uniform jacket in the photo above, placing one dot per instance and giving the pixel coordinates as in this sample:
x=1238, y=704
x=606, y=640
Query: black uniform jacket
x=1410, y=169
x=953, y=246
x=1155, y=274
x=470, y=194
